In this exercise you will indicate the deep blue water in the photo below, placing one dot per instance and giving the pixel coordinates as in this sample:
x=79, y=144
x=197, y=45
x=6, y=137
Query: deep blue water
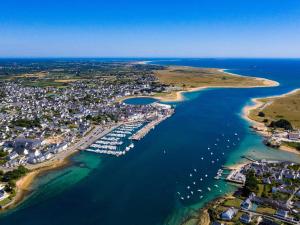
x=142, y=186
x=139, y=101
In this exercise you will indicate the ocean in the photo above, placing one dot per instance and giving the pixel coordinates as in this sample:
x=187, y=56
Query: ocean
x=169, y=174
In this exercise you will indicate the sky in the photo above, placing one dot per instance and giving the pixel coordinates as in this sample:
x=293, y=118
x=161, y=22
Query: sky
x=152, y=28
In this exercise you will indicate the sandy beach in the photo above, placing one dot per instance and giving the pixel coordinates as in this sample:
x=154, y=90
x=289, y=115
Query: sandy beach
x=267, y=82
x=58, y=161
x=23, y=184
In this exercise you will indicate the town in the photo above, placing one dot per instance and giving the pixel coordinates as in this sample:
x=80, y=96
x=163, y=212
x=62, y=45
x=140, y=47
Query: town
x=269, y=194
x=47, y=114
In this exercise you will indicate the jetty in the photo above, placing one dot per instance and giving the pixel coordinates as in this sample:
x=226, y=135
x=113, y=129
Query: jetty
x=142, y=132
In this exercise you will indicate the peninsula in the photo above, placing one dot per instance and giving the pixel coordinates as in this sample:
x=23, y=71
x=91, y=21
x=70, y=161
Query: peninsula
x=277, y=118
x=180, y=79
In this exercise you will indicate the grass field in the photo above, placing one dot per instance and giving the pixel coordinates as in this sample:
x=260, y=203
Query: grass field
x=283, y=107
x=236, y=202
x=189, y=77
x=45, y=83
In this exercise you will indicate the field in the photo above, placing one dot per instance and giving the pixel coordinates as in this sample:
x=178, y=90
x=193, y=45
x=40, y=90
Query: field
x=283, y=107
x=189, y=77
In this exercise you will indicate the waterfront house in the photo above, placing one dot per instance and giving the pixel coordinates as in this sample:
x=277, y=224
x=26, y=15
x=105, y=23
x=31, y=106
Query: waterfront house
x=228, y=214
x=294, y=136
x=247, y=204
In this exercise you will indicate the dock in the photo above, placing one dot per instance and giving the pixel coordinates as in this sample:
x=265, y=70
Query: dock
x=142, y=132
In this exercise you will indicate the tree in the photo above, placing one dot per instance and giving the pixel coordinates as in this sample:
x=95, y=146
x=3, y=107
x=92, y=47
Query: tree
x=261, y=114
x=282, y=123
x=251, y=184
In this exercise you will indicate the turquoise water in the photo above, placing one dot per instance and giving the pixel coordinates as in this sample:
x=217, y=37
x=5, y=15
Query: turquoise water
x=142, y=186
x=140, y=101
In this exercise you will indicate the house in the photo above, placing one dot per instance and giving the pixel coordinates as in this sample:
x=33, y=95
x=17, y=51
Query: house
x=266, y=221
x=266, y=180
x=282, y=213
x=228, y=214
x=13, y=155
x=294, y=136
x=246, y=218
x=217, y=223
x=247, y=204
x=2, y=193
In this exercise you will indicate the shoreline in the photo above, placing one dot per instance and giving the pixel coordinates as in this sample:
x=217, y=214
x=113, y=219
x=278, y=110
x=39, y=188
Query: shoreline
x=261, y=128
x=24, y=183
x=61, y=160
x=179, y=95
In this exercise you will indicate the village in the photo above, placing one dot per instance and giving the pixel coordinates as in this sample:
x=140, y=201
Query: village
x=269, y=194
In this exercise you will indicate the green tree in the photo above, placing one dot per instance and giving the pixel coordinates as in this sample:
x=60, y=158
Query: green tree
x=251, y=184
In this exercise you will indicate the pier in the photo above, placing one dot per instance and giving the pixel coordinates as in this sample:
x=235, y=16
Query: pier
x=142, y=132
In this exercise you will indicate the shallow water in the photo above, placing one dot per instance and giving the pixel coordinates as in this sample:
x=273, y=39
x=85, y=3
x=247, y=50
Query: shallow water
x=142, y=186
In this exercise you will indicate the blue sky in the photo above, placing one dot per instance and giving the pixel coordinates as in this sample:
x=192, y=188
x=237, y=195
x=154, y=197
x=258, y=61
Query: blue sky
x=136, y=28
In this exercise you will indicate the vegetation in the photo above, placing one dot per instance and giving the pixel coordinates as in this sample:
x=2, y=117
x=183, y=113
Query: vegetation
x=282, y=123
x=251, y=184
x=14, y=174
x=102, y=118
x=285, y=107
x=11, y=177
x=295, y=145
x=190, y=77
x=261, y=114
x=235, y=202
x=26, y=123
x=2, y=94
x=3, y=154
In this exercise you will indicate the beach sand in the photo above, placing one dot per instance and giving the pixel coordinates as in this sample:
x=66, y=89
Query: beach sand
x=23, y=184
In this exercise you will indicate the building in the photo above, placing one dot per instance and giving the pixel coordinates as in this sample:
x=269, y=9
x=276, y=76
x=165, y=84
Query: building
x=282, y=213
x=228, y=214
x=295, y=136
x=217, y=223
x=247, y=204
x=246, y=218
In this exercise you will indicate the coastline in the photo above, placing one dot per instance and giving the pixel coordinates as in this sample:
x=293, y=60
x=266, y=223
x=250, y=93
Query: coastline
x=261, y=128
x=62, y=159
x=24, y=183
x=178, y=96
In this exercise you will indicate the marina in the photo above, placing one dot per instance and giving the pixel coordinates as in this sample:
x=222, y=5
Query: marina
x=118, y=141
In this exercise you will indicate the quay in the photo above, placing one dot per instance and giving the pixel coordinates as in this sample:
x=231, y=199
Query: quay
x=142, y=132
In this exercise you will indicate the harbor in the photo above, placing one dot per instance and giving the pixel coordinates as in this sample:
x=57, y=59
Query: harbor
x=117, y=142
x=120, y=140
x=142, y=132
